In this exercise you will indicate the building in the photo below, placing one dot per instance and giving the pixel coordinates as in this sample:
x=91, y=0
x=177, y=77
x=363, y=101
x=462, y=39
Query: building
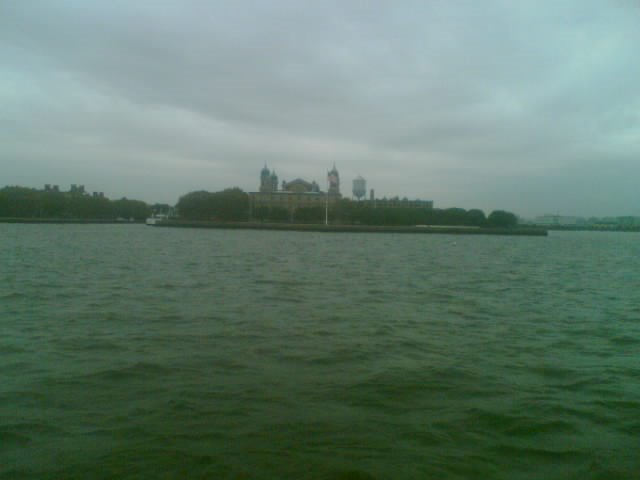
x=300, y=186
x=73, y=189
x=268, y=180
x=562, y=220
x=293, y=195
x=334, y=181
x=399, y=203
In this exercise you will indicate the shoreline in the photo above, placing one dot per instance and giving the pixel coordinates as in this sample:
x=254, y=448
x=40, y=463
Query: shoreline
x=449, y=229
x=457, y=230
x=70, y=221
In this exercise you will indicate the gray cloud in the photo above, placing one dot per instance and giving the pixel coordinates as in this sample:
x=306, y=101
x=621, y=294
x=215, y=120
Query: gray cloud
x=524, y=105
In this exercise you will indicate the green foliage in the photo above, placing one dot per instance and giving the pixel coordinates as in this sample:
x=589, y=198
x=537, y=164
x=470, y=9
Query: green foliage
x=261, y=214
x=233, y=205
x=124, y=208
x=501, y=218
x=196, y=205
x=363, y=213
x=229, y=205
x=20, y=202
x=309, y=215
x=273, y=214
x=476, y=218
x=279, y=214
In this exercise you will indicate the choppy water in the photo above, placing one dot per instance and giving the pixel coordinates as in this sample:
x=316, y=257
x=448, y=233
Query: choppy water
x=136, y=352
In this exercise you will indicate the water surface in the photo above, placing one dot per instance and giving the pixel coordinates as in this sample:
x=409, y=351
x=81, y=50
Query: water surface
x=135, y=352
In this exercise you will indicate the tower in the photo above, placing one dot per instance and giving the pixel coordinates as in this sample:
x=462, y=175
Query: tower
x=334, y=181
x=359, y=187
x=268, y=181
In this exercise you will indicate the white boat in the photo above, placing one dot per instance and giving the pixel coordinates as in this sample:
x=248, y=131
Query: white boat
x=156, y=218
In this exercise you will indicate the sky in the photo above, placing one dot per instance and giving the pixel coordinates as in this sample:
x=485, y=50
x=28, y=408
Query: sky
x=529, y=106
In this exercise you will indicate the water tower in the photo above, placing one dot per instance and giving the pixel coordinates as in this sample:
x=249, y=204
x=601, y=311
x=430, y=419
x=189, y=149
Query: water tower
x=359, y=187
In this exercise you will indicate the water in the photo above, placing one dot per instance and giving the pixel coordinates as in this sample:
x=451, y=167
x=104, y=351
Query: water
x=136, y=352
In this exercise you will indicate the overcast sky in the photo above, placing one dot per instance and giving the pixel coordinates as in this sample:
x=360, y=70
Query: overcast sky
x=531, y=106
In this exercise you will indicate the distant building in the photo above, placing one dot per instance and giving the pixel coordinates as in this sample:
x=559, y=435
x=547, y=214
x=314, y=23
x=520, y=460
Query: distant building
x=333, y=178
x=300, y=193
x=300, y=186
x=295, y=194
x=268, y=180
x=549, y=220
x=74, y=189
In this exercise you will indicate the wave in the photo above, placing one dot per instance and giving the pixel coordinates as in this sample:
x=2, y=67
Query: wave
x=140, y=370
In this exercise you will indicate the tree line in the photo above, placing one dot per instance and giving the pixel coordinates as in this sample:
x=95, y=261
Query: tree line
x=22, y=202
x=233, y=205
x=230, y=205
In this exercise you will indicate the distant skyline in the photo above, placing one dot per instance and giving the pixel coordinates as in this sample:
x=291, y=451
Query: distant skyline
x=530, y=106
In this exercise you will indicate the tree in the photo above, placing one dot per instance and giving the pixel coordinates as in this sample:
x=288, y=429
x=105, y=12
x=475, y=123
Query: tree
x=136, y=209
x=231, y=204
x=23, y=202
x=476, y=218
x=20, y=202
x=195, y=205
x=309, y=215
x=278, y=214
x=502, y=218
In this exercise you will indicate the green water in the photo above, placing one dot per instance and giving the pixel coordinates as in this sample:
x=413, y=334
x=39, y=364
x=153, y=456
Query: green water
x=134, y=352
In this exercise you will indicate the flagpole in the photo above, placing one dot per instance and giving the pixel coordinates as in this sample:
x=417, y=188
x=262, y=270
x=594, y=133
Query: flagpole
x=326, y=206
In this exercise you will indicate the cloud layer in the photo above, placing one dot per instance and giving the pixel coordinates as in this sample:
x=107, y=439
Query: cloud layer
x=529, y=106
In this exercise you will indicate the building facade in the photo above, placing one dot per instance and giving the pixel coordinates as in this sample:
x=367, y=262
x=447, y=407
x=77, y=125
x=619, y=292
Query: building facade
x=268, y=180
x=293, y=195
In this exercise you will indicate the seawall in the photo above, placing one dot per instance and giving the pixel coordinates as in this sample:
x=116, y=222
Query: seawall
x=73, y=221
x=519, y=231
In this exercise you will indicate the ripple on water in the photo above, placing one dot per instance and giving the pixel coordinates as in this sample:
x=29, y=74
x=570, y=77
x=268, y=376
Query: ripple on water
x=9, y=348
x=92, y=344
x=304, y=356
x=141, y=370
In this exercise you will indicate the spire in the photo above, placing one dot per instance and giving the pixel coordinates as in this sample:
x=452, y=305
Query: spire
x=333, y=178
